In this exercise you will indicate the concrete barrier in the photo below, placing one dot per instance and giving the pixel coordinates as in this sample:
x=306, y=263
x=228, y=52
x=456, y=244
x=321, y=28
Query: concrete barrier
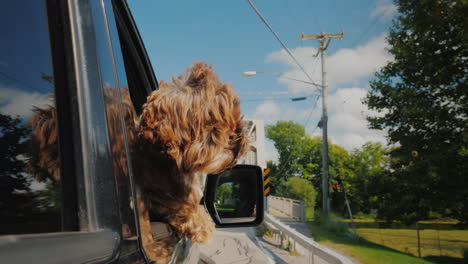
x=290, y=207
x=303, y=243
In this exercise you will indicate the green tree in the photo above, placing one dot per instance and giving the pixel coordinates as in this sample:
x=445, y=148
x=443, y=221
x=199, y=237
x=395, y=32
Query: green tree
x=288, y=138
x=301, y=189
x=368, y=164
x=277, y=183
x=14, y=184
x=301, y=155
x=422, y=98
x=223, y=192
x=339, y=168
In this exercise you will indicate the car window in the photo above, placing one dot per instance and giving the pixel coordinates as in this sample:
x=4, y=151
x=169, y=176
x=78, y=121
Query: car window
x=30, y=193
x=136, y=82
x=138, y=76
x=119, y=105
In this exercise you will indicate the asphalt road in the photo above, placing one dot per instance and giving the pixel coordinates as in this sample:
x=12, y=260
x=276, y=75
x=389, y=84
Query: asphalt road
x=234, y=245
x=240, y=245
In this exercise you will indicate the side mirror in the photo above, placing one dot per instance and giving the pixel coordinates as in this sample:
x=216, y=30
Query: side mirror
x=234, y=198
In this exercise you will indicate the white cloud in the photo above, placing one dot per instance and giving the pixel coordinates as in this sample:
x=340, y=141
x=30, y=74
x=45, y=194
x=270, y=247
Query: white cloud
x=305, y=57
x=347, y=119
x=351, y=65
x=384, y=9
x=345, y=67
x=270, y=111
x=16, y=102
x=347, y=124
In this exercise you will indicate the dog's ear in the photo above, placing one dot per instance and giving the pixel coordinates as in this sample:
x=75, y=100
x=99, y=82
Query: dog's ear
x=202, y=75
x=158, y=125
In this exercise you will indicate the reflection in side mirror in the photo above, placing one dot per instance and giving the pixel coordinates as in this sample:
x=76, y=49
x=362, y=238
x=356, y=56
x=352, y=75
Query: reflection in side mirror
x=234, y=197
x=228, y=201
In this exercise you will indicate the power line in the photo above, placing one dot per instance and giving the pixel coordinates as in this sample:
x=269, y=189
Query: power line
x=280, y=41
x=305, y=125
x=314, y=67
x=23, y=83
x=361, y=36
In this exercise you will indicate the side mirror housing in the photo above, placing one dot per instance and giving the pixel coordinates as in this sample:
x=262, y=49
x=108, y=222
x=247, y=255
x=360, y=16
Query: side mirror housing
x=234, y=198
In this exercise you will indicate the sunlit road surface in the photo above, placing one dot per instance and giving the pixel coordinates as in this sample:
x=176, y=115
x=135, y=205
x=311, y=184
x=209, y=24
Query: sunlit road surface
x=234, y=245
x=281, y=256
x=239, y=245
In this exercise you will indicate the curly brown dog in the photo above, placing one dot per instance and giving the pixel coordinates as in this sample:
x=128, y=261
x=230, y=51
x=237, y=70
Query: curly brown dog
x=190, y=127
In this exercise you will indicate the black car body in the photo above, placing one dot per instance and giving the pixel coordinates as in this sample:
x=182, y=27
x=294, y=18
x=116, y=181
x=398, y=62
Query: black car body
x=82, y=58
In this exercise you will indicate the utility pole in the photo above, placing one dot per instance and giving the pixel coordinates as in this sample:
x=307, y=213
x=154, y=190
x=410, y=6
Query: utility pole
x=324, y=40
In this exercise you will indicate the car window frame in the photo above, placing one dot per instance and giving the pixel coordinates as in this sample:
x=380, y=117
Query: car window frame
x=132, y=46
x=133, y=50
x=90, y=187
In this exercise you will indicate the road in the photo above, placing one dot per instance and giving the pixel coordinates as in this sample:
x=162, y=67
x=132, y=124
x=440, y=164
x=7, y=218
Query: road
x=282, y=256
x=240, y=245
x=234, y=245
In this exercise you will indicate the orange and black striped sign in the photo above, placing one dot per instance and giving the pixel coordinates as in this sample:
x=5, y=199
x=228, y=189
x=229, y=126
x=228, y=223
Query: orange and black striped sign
x=266, y=180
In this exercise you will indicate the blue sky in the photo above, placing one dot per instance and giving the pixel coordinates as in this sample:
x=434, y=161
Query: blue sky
x=22, y=64
x=229, y=35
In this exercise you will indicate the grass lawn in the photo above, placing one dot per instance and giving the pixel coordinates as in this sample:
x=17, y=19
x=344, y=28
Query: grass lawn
x=451, y=241
x=370, y=253
x=395, y=246
x=365, y=252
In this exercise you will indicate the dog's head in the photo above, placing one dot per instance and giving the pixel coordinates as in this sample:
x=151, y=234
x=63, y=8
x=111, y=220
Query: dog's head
x=196, y=121
x=43, y=154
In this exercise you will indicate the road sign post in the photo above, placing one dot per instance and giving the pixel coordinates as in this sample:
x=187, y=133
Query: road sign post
x=266, y=187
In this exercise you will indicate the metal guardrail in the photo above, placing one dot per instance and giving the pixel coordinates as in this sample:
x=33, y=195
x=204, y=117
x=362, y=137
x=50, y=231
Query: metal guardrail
x=290, y=207
x=310, y=245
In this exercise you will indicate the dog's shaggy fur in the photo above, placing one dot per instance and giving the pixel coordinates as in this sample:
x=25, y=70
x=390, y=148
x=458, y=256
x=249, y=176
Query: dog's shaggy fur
x=190, y=127
x=43, y=161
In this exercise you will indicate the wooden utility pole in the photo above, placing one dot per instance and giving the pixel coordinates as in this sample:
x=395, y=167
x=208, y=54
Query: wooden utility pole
x=324, y=40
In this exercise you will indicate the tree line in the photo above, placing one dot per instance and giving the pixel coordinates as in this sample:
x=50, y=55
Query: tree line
x=421, y=100
x=300, y=156
x=369, y=176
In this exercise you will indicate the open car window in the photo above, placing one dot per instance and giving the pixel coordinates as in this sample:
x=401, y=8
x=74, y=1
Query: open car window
x=138, y=77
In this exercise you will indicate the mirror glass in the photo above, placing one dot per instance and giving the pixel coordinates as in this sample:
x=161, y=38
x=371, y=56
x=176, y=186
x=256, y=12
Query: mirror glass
x=236, y=195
